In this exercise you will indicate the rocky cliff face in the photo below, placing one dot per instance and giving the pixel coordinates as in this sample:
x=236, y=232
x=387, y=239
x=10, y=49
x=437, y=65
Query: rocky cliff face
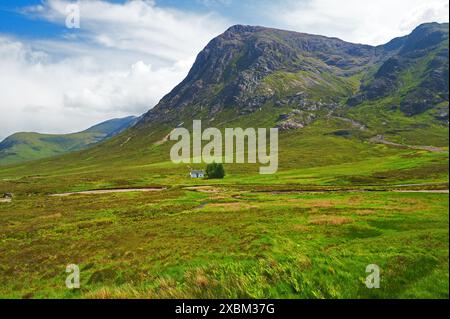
x=416, y=70
x=247, y=67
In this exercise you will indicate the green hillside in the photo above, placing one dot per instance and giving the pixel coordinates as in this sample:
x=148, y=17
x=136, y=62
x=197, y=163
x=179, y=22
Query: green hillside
x=23, y=146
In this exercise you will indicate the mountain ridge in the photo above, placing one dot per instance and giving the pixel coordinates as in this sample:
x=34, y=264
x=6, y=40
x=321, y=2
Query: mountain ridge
x=24, y=146
x=234, y=68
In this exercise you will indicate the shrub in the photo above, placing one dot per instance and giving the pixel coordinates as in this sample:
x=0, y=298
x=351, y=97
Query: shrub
x=215, y=171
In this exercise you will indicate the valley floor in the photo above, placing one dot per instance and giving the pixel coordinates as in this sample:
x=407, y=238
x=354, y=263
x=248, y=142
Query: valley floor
x=226, y=242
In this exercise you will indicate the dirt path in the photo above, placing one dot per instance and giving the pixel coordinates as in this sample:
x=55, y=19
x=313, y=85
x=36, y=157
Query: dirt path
x=437, y=191
x=380, y=140
x=353, y=123
x=211, y=189
x=109, y=191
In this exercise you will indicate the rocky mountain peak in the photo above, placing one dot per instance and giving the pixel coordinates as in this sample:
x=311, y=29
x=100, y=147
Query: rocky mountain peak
x=248, y=66
x=242, y=29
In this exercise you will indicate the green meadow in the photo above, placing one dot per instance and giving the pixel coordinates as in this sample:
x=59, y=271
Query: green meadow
x=226, y=242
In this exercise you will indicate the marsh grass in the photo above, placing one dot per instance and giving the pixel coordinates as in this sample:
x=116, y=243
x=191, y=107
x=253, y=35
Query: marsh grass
x=187, y=244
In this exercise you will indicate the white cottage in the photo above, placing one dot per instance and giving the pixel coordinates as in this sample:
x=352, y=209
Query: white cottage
x=197, y=174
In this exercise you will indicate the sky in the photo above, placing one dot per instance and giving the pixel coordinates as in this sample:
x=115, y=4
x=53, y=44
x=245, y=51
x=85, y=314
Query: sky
x=126, y=55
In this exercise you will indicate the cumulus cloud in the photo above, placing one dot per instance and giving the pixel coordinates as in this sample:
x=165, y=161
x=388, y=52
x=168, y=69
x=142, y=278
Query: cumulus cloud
x=361, y=21
x=122, y=61
x=139, y=26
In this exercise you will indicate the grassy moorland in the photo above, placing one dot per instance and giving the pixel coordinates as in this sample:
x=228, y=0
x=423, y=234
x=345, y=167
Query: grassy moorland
x=226, y=242
x=308, y=231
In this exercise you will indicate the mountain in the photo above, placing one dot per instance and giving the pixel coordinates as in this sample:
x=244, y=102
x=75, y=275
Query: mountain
x=416, y=71
x=335, y=102
x=247, y=67
x=386, y=87
x=28, y=146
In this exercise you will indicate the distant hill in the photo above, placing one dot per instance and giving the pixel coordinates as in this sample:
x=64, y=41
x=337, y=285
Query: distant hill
x=26, y=146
